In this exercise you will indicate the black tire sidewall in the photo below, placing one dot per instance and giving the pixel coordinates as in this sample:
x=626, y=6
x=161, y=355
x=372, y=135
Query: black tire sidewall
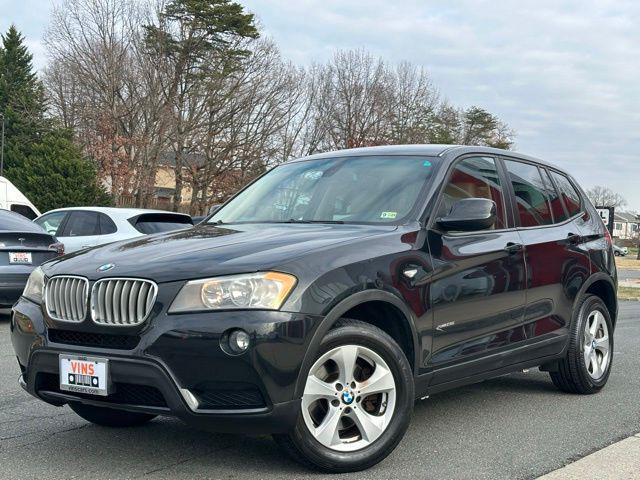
x=376, y=340
x=590, y=304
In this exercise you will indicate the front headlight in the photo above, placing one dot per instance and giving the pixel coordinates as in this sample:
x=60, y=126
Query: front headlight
x=33, y=288
x=262, y=291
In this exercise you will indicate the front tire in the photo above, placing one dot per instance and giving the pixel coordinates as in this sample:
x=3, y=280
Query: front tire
x=357, y=402
x=109, y=417
x=587, y=365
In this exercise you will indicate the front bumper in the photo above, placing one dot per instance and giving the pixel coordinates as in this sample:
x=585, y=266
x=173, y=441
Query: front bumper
x=174, y=365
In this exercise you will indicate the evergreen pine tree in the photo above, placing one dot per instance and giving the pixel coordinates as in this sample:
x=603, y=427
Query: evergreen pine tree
x=39, y=157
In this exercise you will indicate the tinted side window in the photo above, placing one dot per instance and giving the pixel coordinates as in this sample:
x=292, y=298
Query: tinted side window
x=51, y=222
x=569, y=194
x=474, y=177
x=82, y=224
x=106, y=225
x=24, y=210
x=559, y=213
x=531, y=198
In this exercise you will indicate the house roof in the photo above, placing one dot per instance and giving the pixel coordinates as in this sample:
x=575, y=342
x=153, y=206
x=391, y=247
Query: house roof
x=626, y=217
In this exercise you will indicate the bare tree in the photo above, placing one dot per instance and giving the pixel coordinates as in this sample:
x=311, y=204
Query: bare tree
x=605, y=197
x=137, y=83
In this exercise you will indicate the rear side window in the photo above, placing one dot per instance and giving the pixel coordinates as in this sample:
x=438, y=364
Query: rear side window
x=531, y=195
x=160, y=222
x=81, y=224
x=569, y=193
x=51, y=222
x=474, y=177
x=107, y=226
x=24, y=210
x=557, y=208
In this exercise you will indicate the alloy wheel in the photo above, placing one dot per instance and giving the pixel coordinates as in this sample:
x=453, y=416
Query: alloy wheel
x=349, y=398
x=597, y=345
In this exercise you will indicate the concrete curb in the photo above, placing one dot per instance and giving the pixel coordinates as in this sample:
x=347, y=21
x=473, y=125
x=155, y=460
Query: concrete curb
x=620, y=461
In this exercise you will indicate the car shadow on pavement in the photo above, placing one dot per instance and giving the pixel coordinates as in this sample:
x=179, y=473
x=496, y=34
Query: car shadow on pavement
x=167, y=448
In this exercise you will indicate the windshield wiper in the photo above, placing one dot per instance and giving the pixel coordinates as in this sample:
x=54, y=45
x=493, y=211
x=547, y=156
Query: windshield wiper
x=293, y=220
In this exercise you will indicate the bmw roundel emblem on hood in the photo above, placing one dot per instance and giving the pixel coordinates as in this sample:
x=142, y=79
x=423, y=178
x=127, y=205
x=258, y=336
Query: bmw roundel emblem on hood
x=106, y=267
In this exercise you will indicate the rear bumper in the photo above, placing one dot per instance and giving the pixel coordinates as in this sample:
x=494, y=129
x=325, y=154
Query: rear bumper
x=12, y=286
x=10, y=293
x=175, y=366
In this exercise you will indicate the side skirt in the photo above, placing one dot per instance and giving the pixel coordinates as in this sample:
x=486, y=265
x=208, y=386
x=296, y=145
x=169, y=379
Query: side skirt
x=424, y=386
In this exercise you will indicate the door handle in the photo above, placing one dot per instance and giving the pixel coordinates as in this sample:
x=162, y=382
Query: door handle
x=513, y=248
x=574, y=239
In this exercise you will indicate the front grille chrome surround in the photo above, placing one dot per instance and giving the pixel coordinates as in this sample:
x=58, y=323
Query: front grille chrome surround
x=122, y=302
x=66, y=298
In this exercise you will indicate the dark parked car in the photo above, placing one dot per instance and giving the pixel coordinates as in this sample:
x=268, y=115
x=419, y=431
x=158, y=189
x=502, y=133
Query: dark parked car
x=326, y=297
x=23, y=246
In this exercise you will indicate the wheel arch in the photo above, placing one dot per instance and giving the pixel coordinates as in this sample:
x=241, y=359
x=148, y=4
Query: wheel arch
x=359, y=305
x=603, y=287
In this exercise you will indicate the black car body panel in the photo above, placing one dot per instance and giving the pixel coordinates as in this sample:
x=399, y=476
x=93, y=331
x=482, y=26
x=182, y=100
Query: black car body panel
x=18, y=234
x=463, y=306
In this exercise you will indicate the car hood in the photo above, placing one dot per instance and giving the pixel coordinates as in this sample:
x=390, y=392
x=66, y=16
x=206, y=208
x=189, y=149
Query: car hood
x=208, y=250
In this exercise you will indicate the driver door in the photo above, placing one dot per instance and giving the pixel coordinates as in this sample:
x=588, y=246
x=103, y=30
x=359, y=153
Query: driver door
x=477, y=294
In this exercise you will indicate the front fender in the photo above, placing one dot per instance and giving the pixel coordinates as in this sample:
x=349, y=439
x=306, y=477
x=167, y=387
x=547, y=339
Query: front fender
x=337, y=312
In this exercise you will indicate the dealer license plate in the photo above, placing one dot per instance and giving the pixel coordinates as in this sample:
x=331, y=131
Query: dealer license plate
x=84, y=374
x=20, y=257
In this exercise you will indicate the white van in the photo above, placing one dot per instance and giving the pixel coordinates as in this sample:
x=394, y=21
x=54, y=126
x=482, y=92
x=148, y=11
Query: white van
x=12, y=199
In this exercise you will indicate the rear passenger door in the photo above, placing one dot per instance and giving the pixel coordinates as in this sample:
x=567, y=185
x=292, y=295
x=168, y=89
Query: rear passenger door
x=556, y=257
x=81, y=230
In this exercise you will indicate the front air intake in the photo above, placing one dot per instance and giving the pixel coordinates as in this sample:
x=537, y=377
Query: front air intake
x=122, y=301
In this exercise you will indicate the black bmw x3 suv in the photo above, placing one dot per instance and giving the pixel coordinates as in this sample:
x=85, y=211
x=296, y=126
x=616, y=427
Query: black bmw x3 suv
x=327, y=296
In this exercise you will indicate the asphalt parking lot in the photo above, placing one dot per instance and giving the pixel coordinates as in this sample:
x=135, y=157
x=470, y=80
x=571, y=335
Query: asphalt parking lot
x=513, y=427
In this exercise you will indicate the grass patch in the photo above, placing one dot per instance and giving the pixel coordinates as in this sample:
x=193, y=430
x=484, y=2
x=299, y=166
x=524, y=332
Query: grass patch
x=630, y=261
x=628, y=293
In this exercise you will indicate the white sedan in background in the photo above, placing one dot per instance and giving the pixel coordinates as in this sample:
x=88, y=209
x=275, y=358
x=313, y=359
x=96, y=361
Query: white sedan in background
x=84, y=227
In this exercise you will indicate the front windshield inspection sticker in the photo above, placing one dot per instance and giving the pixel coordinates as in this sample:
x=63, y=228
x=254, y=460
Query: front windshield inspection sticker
x=388, y=215
x=426, y=163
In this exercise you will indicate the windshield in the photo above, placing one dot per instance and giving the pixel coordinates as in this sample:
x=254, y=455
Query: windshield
x=373, y=189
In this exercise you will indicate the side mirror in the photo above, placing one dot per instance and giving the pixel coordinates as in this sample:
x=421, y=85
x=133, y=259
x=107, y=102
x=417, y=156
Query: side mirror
x=469, y=215
x=214, y=208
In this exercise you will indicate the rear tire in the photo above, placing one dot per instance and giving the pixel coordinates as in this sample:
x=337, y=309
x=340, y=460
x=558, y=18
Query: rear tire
x=109, y=417
x=587, y=364
x=365, y=432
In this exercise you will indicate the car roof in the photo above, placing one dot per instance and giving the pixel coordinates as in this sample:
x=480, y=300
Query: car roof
x=11, y=221
x=449, y=152
x=116, y=211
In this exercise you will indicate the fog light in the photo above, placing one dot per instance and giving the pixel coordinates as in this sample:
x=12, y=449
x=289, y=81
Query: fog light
x=235, y=342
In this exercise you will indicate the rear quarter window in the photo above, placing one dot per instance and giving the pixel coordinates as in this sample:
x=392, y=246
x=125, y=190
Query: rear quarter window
x=568, y=192
x=107, y=226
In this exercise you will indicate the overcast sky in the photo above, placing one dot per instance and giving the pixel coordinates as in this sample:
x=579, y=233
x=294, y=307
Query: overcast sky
x=565, y=75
